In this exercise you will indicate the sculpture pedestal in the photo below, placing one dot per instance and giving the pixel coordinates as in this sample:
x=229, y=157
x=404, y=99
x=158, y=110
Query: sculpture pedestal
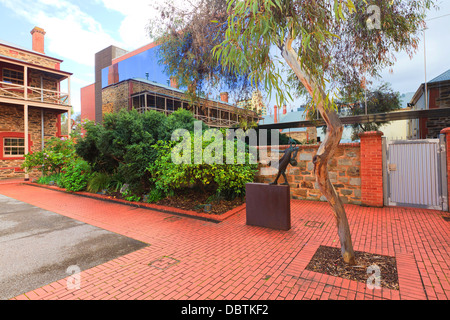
x=268, y=206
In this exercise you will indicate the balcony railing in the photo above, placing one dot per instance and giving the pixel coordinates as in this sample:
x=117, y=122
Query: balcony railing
x=17, y=91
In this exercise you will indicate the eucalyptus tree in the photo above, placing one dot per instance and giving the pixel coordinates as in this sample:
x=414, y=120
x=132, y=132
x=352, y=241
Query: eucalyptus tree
x=323, y=44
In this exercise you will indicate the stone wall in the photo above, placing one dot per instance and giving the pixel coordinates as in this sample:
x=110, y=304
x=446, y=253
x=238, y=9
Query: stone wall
x=344, y=172
x=115, y=97
x=29, y=57
x=12, y=123
x=435, y=125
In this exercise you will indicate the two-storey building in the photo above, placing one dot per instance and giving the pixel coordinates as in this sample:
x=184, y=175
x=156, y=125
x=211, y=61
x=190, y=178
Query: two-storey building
x=31, y=102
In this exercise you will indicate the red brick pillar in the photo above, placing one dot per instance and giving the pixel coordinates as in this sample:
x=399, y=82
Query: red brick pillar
x=371, y=169
x=446, y=131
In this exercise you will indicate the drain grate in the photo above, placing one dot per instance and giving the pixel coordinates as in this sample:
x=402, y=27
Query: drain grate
x=163, y=263
x=314, y=224
x=172, y=219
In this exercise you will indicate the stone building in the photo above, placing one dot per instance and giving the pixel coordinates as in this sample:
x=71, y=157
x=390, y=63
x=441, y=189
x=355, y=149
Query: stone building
x=31, y=102
x=136, y=80
x=438, y=97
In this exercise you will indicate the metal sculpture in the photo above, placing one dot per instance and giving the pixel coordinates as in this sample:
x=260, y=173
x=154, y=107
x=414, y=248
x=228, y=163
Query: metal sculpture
x=288, y=158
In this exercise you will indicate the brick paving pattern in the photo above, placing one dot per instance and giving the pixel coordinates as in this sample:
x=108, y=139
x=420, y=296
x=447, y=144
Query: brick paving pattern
x=193, y=259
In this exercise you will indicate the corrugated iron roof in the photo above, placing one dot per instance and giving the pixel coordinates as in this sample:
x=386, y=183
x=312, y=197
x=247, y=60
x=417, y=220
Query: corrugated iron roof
x=442, y=77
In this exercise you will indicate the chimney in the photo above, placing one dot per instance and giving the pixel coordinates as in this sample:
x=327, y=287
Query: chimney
x=38, y=39
x=284, y=109
x=224, y=97
x=113, y=74
x=275, y=114
x=174, y=82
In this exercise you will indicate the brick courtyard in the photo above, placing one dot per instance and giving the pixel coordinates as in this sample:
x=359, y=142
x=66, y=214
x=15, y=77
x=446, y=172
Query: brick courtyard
x=194, y=259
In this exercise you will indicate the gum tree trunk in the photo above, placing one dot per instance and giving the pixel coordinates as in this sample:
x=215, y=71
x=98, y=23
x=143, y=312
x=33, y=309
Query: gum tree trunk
x=326, y=150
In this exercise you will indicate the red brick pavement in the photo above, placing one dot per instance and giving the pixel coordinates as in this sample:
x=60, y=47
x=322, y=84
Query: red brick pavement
x=194, y=259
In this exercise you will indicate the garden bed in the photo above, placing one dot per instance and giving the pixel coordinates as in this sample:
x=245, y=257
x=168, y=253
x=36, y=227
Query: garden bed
x=188, y=205
x=195, y=200
x=328, y=260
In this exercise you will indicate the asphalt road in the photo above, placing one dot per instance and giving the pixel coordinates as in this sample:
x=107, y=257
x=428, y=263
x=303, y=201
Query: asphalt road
x=38, y=247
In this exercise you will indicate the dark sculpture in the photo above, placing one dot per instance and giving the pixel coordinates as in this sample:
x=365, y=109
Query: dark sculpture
x=288, y=158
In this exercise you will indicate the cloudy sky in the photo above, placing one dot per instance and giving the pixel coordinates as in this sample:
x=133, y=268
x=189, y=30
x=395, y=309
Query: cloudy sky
x=76, y=30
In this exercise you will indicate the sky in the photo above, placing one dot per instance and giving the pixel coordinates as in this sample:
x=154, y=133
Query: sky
x=76, y=30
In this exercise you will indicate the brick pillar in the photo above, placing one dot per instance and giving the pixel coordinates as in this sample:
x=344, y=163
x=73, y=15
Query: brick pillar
x=371, y=169
x=446, y=131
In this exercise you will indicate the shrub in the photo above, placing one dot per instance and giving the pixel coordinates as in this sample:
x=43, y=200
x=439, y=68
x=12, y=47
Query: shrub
x=122, y=144
x=227, y=179
x=56, y=178
x=56, y=154
x=98, y=182
x=75, y=175
x=155, y=195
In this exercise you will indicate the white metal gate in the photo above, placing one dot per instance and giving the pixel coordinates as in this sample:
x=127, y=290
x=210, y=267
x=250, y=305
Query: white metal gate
x=413, y=175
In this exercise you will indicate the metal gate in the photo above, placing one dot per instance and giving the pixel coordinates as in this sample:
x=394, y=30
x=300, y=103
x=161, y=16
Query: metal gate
x=413, y=173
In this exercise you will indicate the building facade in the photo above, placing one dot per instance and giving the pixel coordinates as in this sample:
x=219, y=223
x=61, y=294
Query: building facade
x=135, y=80
x=31, y=102
x=438, y=96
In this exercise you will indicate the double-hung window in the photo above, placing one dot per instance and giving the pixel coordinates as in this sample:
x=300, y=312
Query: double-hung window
x=13, y=147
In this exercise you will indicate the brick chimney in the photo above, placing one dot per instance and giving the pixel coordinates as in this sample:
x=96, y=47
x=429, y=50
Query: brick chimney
x=113, y=74
x=284, y=109
x=224, y=97
x=38, y=39
x=173, y=82
x=275, y=114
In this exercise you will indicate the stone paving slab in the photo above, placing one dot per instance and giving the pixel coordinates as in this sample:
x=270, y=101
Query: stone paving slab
x=190, y=259
x=38, y=247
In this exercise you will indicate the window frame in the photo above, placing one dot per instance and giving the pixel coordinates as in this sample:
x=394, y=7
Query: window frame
x=12, y=134
x=11, y=80
x=17, y=146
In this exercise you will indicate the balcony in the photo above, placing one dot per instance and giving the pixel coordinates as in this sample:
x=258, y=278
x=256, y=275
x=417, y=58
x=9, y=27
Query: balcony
x=16, y=91
x=24, y=83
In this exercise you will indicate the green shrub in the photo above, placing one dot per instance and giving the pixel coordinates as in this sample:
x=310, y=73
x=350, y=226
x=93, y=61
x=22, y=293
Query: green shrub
x=227, y=180
x=56, y=154
x=155, y=195
x=56, y=177
x=76, y=175
x=121, y=145
x=98, y=182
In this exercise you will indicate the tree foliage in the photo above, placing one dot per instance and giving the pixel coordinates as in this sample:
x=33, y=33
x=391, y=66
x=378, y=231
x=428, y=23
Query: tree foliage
x=331, y=38
x=377, y=100
x=186, y=37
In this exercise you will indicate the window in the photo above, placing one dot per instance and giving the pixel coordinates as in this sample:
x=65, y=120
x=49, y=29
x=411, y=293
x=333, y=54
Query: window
x=13, y=76
x=13, y=147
